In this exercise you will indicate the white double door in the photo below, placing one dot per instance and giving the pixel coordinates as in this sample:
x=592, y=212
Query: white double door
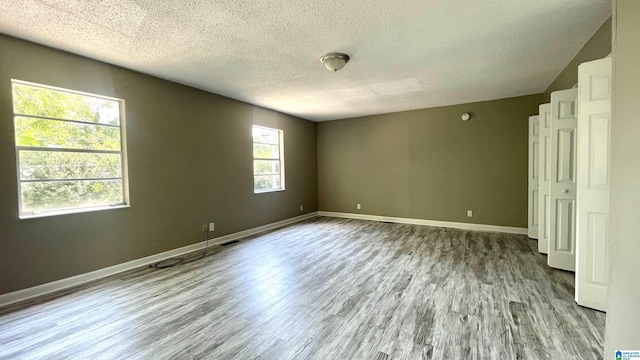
x=574, y=180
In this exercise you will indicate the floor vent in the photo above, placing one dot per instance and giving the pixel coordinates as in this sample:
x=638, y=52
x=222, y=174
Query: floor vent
x=230, y=243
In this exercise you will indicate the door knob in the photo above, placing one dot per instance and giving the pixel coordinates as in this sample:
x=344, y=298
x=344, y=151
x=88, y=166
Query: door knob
x=565, y=191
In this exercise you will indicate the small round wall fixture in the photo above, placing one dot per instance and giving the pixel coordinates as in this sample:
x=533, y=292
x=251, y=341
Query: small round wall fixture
x=334, y=61
x=466, y=116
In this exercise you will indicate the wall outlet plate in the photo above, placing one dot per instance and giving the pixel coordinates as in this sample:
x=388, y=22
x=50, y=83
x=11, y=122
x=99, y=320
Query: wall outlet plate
x=469, y=213
x=211, y=226
x=358, y=206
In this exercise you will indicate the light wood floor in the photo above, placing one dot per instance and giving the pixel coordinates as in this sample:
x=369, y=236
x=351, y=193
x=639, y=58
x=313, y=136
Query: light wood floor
x=323, y=289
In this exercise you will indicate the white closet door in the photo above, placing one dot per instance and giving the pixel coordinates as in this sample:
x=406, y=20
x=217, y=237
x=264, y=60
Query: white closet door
x=534, y=155
x=562, y=183
x=544, y=173
x=594, y=144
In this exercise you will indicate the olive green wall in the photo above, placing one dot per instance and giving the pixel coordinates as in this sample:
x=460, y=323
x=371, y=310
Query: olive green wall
x=190, y=162
x=429, y=164
x=598, y=47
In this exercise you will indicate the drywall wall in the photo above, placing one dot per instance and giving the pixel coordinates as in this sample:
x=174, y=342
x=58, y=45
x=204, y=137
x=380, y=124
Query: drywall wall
x=190, y=162
x=597, y=47
x=429, y=164
x=623, y=308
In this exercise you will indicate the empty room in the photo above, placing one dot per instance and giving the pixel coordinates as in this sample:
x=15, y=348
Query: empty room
x=279, y=179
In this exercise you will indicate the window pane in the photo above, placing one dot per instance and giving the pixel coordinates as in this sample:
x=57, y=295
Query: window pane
x=266, y=167
x=61, y=134
x=40, y=196
x=268, y=136
x=266, y=182
x=262, y=151
x=32, y=100
x=45, y=165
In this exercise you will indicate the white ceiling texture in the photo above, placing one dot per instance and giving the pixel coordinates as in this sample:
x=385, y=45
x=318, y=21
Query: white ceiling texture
x=405, y=54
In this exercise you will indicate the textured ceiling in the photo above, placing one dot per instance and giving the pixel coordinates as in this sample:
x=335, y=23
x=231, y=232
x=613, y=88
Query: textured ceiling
x=405, y=54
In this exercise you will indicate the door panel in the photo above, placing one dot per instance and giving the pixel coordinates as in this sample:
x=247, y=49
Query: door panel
x=535, y=203
x=562, y=184
x=598, y=152
x=597, y=229
x=593, y=171
x=565, y=226
x=535, y=168
x=566, y=156
x=567, y=109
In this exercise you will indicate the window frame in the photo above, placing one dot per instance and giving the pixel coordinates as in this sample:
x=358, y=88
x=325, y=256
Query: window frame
x=125, y=203
x=281, y=159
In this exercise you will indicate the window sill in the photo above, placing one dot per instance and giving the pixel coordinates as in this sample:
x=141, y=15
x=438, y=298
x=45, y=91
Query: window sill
x=267, y=191
x=72, y=211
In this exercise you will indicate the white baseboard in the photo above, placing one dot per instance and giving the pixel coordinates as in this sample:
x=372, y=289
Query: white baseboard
x=39, y=290
x=447, y=224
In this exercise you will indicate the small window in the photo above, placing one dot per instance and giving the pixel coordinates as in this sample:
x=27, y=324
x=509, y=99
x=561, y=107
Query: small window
x=70, y=150
x=268, y=159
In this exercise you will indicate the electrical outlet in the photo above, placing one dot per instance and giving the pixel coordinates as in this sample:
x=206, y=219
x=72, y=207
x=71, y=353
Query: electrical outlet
x=204, y=227
x=469, y=213
x=358, y=206
x=301, y=208
x=211, y=226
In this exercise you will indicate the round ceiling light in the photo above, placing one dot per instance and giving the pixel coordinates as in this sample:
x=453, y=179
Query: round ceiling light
x=334, y=61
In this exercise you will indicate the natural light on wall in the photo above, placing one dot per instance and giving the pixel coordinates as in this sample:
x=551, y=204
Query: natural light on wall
x=268, y=159
x=70, y=150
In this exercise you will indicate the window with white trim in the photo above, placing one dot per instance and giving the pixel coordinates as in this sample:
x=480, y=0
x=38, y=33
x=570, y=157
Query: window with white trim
x=70, y=150
x=268, y=159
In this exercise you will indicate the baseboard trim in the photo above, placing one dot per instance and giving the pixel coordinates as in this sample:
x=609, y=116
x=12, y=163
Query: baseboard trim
x=447, y=224
x=66, y=283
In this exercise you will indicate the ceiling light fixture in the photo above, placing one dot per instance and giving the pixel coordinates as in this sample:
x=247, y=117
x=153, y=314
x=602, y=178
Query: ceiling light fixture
x=334, y=61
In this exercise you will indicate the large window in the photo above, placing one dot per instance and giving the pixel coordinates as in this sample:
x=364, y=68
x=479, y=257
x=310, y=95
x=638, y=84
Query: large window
x=268, y=159
x=70, y=150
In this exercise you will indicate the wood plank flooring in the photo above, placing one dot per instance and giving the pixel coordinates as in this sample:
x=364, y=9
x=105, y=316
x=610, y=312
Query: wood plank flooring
x=323, y=289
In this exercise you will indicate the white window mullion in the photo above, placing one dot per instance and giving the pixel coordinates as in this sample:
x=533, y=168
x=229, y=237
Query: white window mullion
x=51, y=149
x=70, y=180
x=65, y=120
